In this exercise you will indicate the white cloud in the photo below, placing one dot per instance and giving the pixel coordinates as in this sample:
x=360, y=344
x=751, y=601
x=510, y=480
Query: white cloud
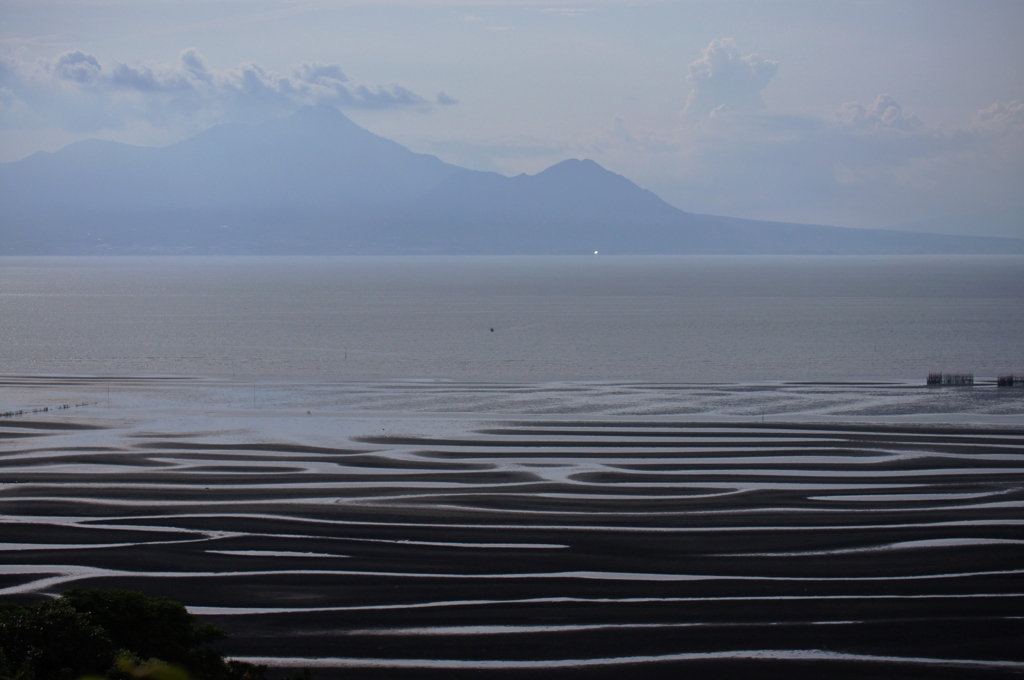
x=1001, y=117
x=195, y=65
x=76, y=66
x=885, y=111
x=75, y=91
x=724, y=78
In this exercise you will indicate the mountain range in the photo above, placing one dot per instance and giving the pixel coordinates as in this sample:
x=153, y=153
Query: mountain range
x=317, y=183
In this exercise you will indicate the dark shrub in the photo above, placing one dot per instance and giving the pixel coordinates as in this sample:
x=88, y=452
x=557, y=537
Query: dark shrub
x=115, y=634
x=151, y=627
x=52, y=640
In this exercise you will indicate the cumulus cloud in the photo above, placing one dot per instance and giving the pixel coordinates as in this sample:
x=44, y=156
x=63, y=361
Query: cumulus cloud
x=1001, y=117
x=725, y=79
x=147, y=79
x=76, y=66
x=884, y=112
x=75, y=91
x=194, y=64
x=321, y=74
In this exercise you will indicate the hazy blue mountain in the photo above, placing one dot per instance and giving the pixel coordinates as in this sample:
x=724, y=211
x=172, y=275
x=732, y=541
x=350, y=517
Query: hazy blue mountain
x=318, y=183
x=317, y=158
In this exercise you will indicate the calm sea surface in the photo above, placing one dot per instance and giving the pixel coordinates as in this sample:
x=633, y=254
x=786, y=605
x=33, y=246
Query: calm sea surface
x=662, y=319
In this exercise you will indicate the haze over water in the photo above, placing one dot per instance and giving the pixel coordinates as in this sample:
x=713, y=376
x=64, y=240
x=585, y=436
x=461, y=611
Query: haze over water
x=659, y=319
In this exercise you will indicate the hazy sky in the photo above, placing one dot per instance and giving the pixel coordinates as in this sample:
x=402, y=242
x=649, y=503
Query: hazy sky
x=851, y=113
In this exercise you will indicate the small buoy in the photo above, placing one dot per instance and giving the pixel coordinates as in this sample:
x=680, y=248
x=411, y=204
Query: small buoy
x=595, y=252
x=492, y=330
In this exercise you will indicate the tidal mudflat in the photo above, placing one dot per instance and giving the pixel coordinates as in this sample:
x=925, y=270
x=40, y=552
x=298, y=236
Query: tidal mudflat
x=436, y=529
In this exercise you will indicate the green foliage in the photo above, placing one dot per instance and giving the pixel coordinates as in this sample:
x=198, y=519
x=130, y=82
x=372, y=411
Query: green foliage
x=151, y=627
x=240, y=670
x=52, y=641
x=153, y=669
x=113, y=635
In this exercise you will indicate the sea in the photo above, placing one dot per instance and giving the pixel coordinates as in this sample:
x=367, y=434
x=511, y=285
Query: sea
x=671, y=319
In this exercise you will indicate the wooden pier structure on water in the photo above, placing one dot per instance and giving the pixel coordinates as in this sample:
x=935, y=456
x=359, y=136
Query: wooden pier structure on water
x=950, y=379
x=1008, y=380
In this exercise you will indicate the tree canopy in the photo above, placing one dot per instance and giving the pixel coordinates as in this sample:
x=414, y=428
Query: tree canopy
x=114, y=635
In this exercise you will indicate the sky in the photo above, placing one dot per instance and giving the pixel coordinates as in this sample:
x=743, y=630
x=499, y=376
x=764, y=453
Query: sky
x=857, y=113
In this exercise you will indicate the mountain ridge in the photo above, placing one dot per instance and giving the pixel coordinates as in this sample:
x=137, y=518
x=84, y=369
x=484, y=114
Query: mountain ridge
x=316, y=182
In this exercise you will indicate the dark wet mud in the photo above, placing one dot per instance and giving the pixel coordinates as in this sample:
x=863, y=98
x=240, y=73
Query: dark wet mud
x=547, y=548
